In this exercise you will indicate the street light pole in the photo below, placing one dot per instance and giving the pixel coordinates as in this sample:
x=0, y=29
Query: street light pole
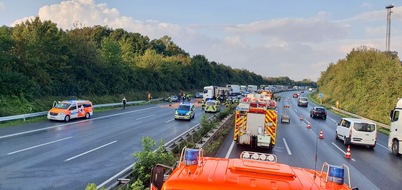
x=388, y=34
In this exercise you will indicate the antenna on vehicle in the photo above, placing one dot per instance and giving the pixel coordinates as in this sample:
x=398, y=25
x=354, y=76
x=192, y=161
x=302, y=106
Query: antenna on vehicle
x=316, y=145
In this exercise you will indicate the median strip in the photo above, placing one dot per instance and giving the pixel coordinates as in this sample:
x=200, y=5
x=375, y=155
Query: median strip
x=32, y=147
x=74, y=157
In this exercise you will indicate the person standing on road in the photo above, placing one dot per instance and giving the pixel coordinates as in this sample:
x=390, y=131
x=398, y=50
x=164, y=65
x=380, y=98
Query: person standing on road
x=170, y=101
x=124, y=103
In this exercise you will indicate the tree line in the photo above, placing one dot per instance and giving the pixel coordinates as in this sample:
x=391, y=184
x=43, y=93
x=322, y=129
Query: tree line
x=40, y=60
x=367, y=82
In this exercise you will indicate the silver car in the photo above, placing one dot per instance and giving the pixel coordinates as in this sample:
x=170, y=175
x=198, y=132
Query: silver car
x=302, y=101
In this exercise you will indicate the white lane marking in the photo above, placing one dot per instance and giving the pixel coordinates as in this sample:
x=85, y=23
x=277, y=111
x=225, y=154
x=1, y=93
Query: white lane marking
x=145, y=117
x=70, y=123
x=332, y=119
x=286, y=145
x=169, y=121
x=341, y=150
x=32, y=147
x=230, y=150
x=89, y=151
x=383, y=146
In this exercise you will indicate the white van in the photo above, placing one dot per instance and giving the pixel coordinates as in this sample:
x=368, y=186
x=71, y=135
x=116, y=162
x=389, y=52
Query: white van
x=357, y=131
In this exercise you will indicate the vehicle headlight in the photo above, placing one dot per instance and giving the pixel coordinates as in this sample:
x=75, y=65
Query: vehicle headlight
x=188, y=113
x=176, y=113
x=61, y=113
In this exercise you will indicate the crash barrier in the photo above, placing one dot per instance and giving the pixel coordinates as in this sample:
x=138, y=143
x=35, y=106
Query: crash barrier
x=114, y=182
x=37, y=114
x=360, y=117
x=211, y=136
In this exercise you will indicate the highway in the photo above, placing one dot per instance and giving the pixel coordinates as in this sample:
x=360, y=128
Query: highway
x=299, y=146
x=60, y=155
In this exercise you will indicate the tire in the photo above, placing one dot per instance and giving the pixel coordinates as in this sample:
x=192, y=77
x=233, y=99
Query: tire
x=336, y=137
x=345, y=142
x=372, y=146
x=324, y=118
x=311, y=115
x=281, y=120
x=87, y=116
x=67, y=118
x=395, y=148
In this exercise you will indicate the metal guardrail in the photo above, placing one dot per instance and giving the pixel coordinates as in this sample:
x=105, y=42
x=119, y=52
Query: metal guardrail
x=113, y=182
x=358, y=116
x=37, y=114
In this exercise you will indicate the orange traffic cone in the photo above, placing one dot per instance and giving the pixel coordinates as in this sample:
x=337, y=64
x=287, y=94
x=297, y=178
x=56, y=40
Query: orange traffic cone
x=348, y=153
x=321, y=135
x=308, y=125
x=301, y=117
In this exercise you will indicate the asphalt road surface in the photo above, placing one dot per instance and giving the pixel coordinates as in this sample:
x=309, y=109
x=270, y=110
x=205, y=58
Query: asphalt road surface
x=60, y=155
x=298, y=146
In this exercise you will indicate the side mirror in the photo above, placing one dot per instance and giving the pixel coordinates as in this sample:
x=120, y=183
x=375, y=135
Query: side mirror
x=391, y=115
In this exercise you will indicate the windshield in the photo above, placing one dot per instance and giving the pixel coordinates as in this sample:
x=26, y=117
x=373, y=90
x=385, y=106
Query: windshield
x=184, y=107
x=320, y=109
x=62, y=105
x=303, y=99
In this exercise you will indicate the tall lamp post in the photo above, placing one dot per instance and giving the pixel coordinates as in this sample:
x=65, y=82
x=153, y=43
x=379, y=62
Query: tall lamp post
x=388, y=35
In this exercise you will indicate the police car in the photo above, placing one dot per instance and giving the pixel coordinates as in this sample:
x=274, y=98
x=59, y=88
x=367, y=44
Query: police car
x=185, y=111
x=212, y=106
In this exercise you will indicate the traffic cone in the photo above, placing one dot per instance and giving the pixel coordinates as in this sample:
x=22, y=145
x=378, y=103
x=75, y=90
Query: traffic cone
x=308, y=125
x=321, y=135
x=348, y=153
x=301, y=117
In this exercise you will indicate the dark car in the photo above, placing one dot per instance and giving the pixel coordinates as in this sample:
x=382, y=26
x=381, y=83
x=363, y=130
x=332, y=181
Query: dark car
x=318, y=112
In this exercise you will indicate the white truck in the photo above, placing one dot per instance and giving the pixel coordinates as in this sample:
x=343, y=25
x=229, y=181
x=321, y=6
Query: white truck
x=395, y=135
x=243, y=88
x=252, y=88
x=235, y=89
x=215, y=93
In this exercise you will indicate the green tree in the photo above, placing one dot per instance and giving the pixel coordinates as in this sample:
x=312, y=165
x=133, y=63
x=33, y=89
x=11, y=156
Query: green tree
x=148, y=158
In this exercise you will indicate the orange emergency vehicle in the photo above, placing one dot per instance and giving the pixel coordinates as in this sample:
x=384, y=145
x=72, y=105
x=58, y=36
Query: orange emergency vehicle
x=252, y=171
x=256, y=121
x=70, y=109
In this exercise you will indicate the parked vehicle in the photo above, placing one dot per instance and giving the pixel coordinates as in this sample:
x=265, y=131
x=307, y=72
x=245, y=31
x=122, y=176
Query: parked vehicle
x=185, y=111
x=235, y=89
x=212, y=106
x=295, y=95
x=357, y=131
x=395, y=135
x=199, y=94
x=70, y=109
x=318, y=112
x=174, y=98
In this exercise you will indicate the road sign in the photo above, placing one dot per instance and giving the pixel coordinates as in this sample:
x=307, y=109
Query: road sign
x=321, y=95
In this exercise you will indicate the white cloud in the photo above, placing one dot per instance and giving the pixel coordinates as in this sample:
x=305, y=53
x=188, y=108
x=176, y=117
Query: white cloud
x=316, y=29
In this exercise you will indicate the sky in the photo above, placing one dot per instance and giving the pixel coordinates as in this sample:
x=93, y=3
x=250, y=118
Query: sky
x=297, y=39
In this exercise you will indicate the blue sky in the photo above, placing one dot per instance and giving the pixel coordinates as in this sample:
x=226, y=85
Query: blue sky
x=297, y=39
